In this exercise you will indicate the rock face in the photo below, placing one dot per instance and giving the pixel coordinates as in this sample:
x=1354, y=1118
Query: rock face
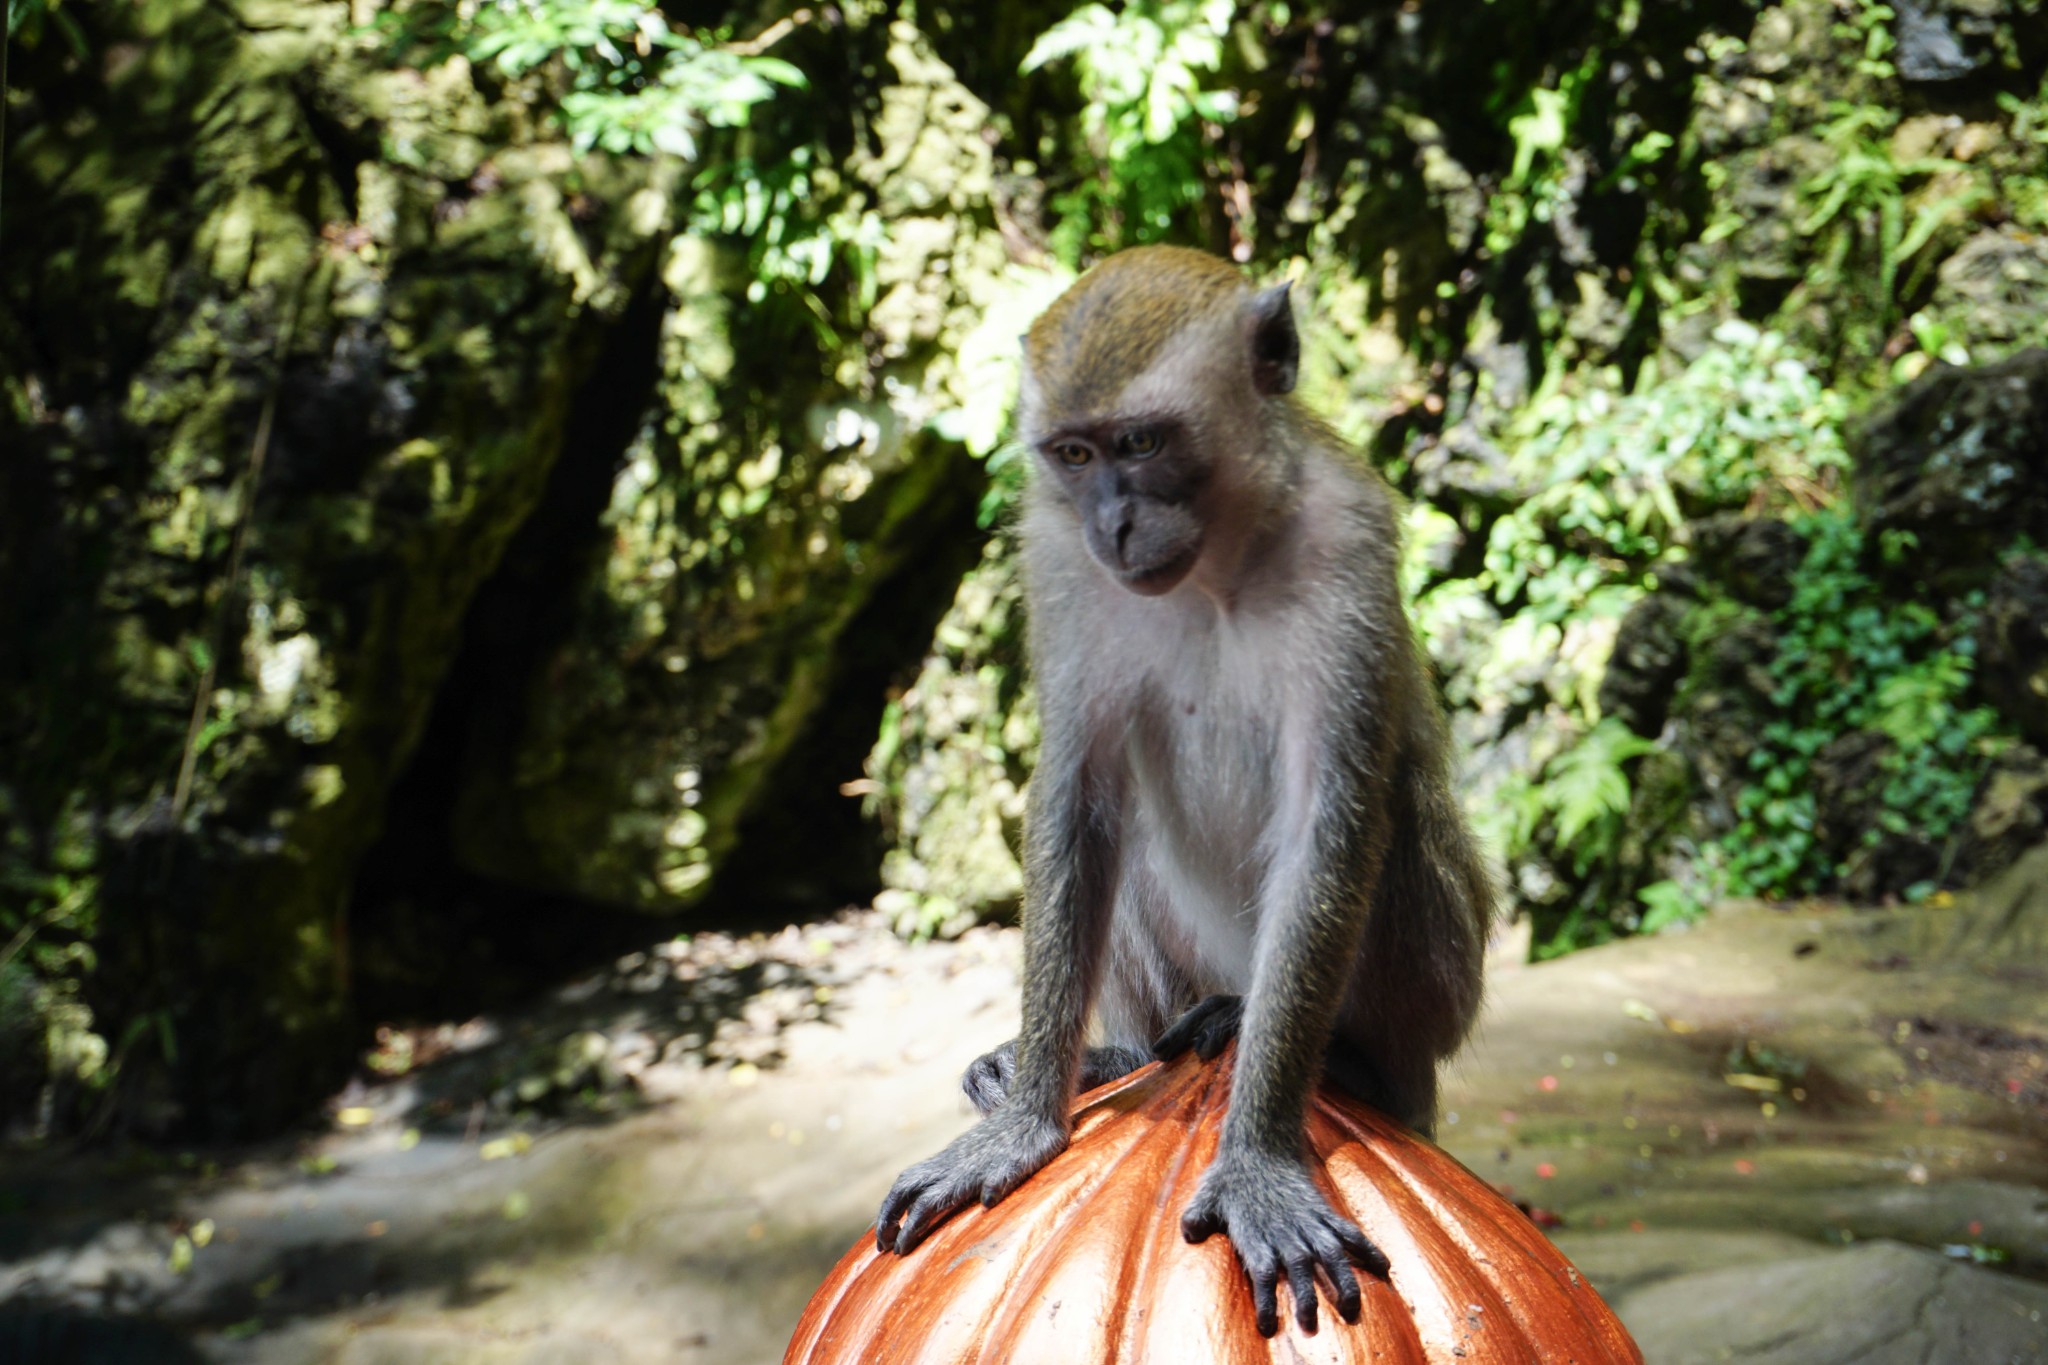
x=774, y=495
x=274, y=409
x=1933, y=576
x=2012, y=642
x=1958, y=458
x=398, y=500
x=1911, y=1306
x=950, y=768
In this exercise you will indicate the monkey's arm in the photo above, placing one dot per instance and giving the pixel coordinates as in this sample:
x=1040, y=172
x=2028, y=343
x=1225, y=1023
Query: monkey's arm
x=1071, y=836
x=1259, y=1190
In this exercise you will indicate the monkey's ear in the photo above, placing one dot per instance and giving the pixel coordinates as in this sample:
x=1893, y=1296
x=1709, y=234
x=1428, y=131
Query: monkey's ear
x=1276, y=347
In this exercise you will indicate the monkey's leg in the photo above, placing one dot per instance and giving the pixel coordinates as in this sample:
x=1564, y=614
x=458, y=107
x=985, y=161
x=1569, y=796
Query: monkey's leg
x=987, y=1079
x=1415, y=985
x=1401, y=1085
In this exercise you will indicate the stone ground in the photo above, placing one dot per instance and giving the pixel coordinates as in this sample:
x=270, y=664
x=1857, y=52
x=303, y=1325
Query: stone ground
x=1738, y=1133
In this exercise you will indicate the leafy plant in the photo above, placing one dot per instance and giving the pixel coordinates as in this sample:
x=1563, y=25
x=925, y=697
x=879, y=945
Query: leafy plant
x=792, y=247
x=1143, y=72
x=27, y=20
x=1614, y=477
x=1607, y=483
x=1540, y=127
x=1859, y=203
x=1851, y=659
x=1584, y=793
x=621, y=77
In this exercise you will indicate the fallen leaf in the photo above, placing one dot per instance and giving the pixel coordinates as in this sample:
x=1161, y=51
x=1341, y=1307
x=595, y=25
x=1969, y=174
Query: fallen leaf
x=1769, y=1084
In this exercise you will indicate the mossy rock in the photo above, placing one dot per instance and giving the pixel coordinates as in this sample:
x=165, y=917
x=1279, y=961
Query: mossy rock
x=274, y=407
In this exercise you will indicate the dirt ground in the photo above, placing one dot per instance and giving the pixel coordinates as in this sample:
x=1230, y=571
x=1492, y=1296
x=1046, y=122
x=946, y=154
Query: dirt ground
x=1733, y=1132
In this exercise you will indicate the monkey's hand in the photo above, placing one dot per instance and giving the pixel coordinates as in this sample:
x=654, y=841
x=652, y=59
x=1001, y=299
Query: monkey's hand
x=987, y=1079
x=986, y=1162
x=1280, y=1224
x=1207, y=1028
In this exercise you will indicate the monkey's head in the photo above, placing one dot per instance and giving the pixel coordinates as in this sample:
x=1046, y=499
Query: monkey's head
x=1144, y=386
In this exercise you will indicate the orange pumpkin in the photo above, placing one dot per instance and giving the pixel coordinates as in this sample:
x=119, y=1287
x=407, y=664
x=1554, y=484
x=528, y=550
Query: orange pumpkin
x=1085, y=1262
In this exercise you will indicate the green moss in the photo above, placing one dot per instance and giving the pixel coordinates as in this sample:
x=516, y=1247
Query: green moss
x=197, y=212
x=777, y=486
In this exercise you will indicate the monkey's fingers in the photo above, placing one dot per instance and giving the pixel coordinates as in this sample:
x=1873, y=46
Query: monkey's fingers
x=1344, y=1291
x=1332, y=1257
x=1264, y=1274
x=1301, y=1279
x=1363, y=1252
x=927, y=1213
x=900, y=1197
x=898, y=1227
x=1200, y=1223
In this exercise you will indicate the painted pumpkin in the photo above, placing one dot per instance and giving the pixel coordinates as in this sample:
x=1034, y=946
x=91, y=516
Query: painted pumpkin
x=1085, y=1263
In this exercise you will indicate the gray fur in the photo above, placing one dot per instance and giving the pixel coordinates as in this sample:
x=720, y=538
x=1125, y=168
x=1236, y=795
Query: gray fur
x=1243, y=791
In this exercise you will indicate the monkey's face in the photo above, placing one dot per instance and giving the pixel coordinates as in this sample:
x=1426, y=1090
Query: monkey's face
x=1137, y=484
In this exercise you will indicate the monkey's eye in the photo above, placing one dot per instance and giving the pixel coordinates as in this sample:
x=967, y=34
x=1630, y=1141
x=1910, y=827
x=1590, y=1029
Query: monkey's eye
x=1072, y=454
x=1138, y=444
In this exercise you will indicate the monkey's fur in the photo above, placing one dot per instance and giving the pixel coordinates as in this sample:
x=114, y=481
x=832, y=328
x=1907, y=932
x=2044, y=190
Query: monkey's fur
x=1242, y=822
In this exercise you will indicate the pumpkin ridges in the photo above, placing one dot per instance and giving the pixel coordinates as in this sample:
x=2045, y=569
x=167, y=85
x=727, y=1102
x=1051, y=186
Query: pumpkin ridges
x=1192, y=1315
x=1032, y=1232
x=1176, y=1106
x=1458, y=1202
x=981, y=1286
x=1386, y=1317
x=1445, y=1206
x=940, y=1324
x=1126, y=1134
x=865, y=1307
x=822, y=1314
x=1425, y=1267
x=1435, y=1170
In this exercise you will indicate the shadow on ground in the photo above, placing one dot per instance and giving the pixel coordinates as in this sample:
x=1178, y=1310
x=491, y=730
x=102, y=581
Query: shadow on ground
x=1734, y=1131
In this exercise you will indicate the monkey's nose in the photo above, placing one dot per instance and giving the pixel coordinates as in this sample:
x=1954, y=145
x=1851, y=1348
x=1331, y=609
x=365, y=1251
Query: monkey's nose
x=1123, y=538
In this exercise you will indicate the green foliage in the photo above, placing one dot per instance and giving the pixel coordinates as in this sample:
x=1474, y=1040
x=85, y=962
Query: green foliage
x=49, y=917
x=1866, y=25
x=794, y=236
x=1612, y=478
x=28, y=20
x=1859, y=206
x=1608, y=482
x=622, y=78
x=1143, y=72
x=1852, y=658
x=1540, y=128
x=1583, y=793
x=2026, y=196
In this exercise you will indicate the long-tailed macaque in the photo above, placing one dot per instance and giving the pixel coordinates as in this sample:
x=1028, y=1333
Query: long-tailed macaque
x=1241, y=824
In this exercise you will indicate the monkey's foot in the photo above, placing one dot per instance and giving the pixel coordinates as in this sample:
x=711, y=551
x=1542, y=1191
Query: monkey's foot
x=1207, y=1028
x=1279, y=1224
x=987, y=1079
x=986, y=1162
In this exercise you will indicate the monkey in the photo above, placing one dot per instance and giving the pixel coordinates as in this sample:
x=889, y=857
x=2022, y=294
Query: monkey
x=1242, y=825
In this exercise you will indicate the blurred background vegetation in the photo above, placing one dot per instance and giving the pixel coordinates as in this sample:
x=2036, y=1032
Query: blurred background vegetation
x=480, y=475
